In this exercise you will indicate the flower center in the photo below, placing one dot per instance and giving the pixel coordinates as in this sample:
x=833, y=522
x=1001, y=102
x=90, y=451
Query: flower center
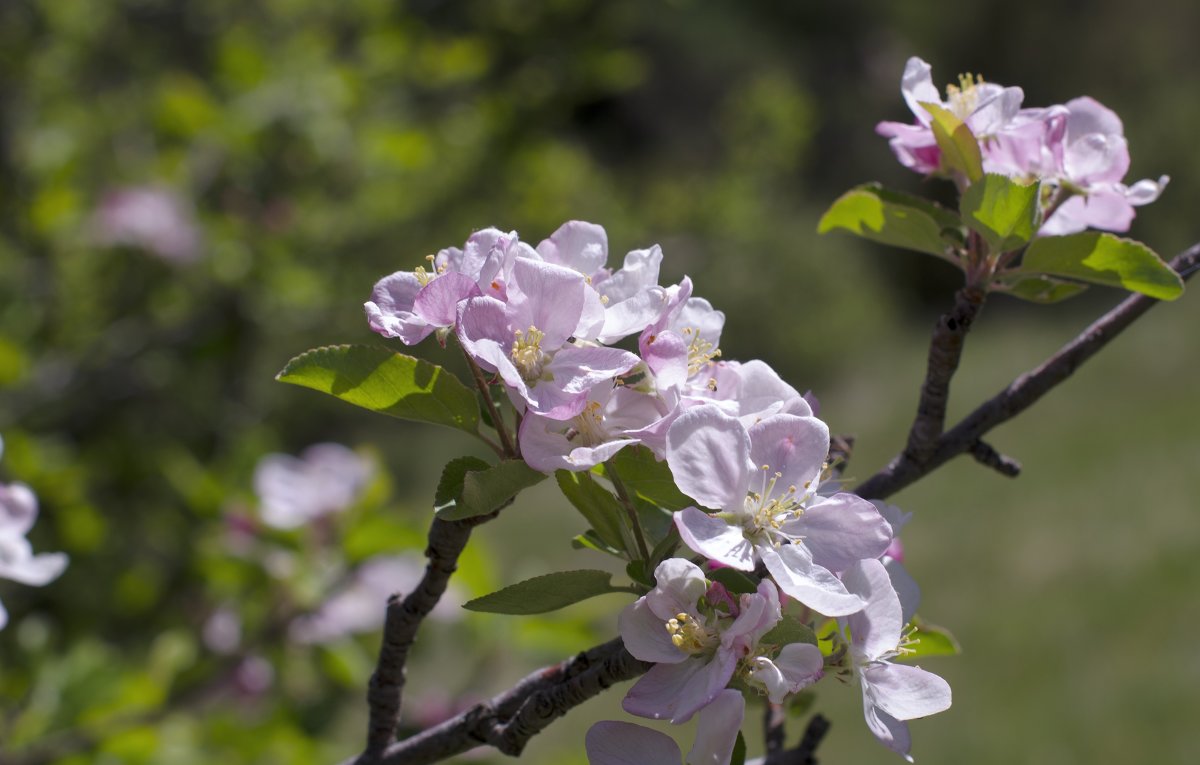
x=425, y=277
x=700, y=351
x=527, y=353
x=766, y=511
x=688, y=635
x=588, y=426
x=964, y=97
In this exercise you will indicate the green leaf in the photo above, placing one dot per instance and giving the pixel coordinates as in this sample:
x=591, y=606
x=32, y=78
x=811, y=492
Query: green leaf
x=1038, y=289
x=1103, y=259
x=637, y=571
x=735, y=581
x=545, y=593
x=650, y=479
x=739, y=751
x=590, y=540
x=467, y=491
x=930, y=640
x=789, y=630
x=1001, y=210
x=383, y=381
x=960, y=148
x=596, y=504
x=890, y=218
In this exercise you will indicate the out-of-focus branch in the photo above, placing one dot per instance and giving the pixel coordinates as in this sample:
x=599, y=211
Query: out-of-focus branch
x=806, y=752
x=404, y=615
x=1020, y=394
x=507, y=721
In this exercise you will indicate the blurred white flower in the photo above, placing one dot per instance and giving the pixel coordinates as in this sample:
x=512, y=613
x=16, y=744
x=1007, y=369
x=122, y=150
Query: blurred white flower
x=18, y=511
x=149, y=218
x=360, y=605
x=327, y=478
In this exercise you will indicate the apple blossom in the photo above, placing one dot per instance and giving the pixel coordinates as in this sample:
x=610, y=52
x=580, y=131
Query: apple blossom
x=892, y=693
x=764, y=482
x=620, y=743
x=411, y=305
x=327, y=478
x=525, y=340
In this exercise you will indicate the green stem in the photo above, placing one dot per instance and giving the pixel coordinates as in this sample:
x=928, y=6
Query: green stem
x=610, y=470
x=505, y=442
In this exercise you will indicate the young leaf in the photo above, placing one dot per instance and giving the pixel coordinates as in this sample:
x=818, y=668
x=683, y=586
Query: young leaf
x=387, y=382
x=930, y=640
x=650, y=479
x=889, y=218
x=1001, y=210
x=1038, y=289
x=480, y=491
x=545, y=593
x=595, y=503
x=1103, y=259
x=960, y=148
x=590, y=540
x=789, y=630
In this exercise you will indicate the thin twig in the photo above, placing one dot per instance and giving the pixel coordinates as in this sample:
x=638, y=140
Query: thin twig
x=1022, y=392
x=986, y=454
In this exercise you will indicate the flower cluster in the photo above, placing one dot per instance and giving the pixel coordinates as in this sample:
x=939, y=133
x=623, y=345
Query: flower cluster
x=1078, y=149
x=739, y=441
x=18, y=511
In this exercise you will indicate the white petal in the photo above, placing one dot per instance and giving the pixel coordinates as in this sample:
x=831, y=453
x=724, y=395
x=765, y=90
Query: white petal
x=645, y=634
x=794, y=446
x=876, y=629
x=793, y=570
x=907, y=692
x=714, y=538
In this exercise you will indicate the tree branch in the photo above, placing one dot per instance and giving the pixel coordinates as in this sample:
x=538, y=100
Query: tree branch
x=446, y=542
x=1021, y=393
x=945, y=351
x=507, y=721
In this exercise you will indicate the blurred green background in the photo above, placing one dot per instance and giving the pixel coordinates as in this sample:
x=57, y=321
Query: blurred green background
x=308, y=148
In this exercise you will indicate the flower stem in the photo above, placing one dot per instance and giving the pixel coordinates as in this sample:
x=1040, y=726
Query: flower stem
x=505, y=442
x=610, y=469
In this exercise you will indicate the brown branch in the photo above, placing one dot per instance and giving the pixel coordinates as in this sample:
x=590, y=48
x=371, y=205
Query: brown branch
x=806, y=752
x=986, y=454
x=446, y=542
x=507, y=721
x=1022, y=392
x=774, y=730
x=945, y=351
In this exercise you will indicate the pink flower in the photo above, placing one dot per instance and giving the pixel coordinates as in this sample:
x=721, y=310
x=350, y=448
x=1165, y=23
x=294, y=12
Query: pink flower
x=763, y=481
x=325, y=479
x=892, y=693
x=621, y=743
x=18, y=511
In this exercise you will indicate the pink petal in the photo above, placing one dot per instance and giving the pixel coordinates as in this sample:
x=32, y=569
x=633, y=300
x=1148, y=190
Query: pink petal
x=545, y=296
x=621, y=743
x=794, y=446
x=676, y=691
x=709, y=454
x=841, y=530
x=645, y=635
x=437, y=302
x=717, y=730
